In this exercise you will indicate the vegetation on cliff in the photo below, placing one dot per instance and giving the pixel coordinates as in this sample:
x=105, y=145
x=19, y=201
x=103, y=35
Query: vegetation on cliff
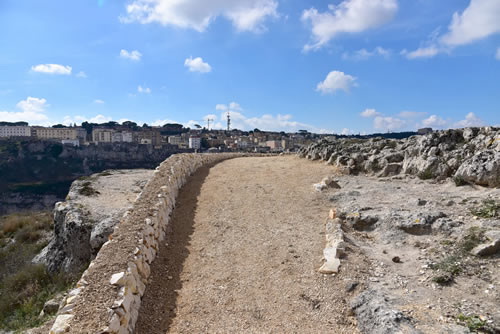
x=25, y=287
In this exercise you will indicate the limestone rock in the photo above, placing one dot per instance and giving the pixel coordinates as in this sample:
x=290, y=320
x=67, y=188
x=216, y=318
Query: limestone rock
x=491, y=247
x=83, y=223
x=472, y=154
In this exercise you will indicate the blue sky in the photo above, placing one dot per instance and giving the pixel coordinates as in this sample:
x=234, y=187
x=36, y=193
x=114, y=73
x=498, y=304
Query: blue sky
x=351, y=66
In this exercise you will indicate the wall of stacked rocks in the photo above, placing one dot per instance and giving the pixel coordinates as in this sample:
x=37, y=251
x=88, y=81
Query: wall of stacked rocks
x=107, y=298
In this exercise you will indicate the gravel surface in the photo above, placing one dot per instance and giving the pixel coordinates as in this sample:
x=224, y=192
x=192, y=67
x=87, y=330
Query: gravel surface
x=247, y=241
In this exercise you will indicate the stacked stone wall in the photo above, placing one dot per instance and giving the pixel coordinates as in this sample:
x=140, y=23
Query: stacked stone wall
x=107, y=298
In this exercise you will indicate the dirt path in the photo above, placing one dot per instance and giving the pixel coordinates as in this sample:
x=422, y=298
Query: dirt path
x=248, y=236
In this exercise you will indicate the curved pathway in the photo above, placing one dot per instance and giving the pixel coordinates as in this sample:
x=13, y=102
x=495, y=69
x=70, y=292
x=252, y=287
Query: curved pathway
x=247, y=239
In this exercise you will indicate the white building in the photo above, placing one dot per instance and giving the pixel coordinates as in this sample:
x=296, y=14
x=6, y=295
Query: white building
x=175, y=140
x=195, y=142
x=121, y=137
x=15, y=131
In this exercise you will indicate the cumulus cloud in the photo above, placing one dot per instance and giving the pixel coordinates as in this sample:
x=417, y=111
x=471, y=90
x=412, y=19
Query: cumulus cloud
x=132, y=55
x=423, y=52
x=364, y=54
x=336, y=80
x=52, y=69
x=197, y=65
x=478, y=21
x=386, y=123
x=98, y=101
x=80, y=119
x=370, y=113
x=470, y=120
x=267, y=122
x=245, y=15
x=31, y=110
x=350, y=16
x=434, y=121
x=143, y=90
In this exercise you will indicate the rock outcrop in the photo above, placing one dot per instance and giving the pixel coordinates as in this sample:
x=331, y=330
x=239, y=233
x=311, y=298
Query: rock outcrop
x=470, y=155
x=83, y=223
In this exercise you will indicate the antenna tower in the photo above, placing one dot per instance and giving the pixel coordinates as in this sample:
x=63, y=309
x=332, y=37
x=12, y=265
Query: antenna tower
x=228, y=121
x=208, y=123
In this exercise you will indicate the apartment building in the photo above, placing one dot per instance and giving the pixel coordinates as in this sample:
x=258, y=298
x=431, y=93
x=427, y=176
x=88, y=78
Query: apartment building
x=122, y=137
x=195, y=142
x=175, y=140
x=59, y=133
x=102, y=135
x=15, y=131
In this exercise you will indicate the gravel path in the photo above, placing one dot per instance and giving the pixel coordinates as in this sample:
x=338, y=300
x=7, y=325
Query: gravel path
x=247, y=240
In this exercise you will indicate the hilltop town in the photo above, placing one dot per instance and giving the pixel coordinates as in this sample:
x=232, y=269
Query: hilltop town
x=169, y=135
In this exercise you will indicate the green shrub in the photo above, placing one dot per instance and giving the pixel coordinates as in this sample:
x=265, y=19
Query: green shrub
x=426, y=174
x=489, y=209
x=473, y=322
x=460, y=181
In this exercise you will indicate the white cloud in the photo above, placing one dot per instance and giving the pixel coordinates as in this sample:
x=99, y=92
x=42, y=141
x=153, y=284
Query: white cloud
x=497, y=55
x=350, y=16
x=80, y=119
x=98, y=101
x=32, y=109
x=81, y=74
x=370, y=113
x=132, y=55
x=52, y=69
x=143, y=90
x=434, y=121
x=336, y=80
x=265, y=122
x=423, y=52
x=479, y=20
x=412, y=114
x=245, y=15
x=388, y=123
x=346, y=131
x=470, y=120
x=197, y=65
x=364, y=54
x=221, y=107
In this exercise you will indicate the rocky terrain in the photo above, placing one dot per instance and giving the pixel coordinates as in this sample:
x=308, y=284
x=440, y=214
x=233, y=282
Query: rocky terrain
x=425, y=211
x=470, y=155
x=83, y=222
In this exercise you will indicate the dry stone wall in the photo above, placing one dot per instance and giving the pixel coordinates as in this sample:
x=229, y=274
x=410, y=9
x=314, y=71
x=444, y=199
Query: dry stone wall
x=107, y=298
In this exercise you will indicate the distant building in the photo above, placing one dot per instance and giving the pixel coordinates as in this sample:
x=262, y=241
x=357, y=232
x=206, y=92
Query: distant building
x=59, y=133
x=151, y=136
x=121, y=137
x=175, y=140
x=102, y=135
x=195, y=142
x=274, y=144
x=15, y=131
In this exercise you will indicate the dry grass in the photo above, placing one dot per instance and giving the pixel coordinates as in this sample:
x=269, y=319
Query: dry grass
x=25, y=287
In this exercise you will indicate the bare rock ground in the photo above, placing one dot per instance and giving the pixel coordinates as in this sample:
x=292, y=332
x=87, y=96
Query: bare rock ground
x=82, y=223
x=418, y=236
x=247, y=242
